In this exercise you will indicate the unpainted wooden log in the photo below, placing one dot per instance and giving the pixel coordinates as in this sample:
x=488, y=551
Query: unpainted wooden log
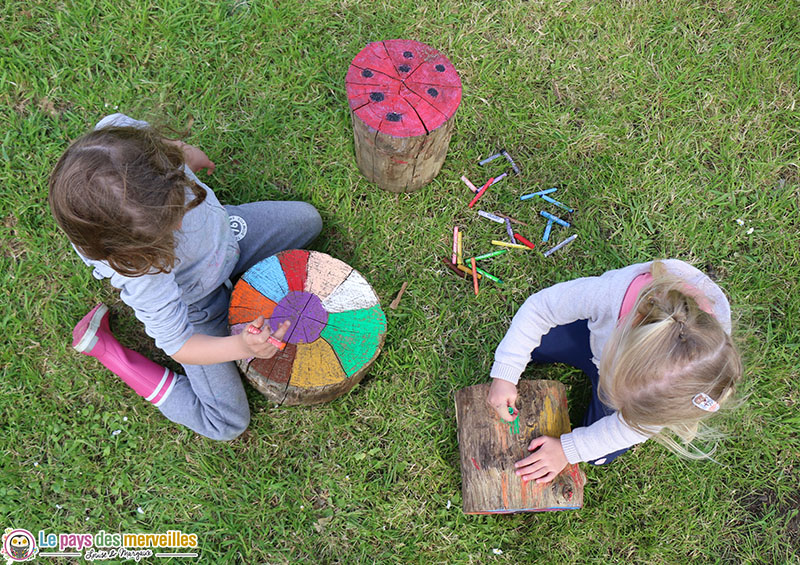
x=489, y=450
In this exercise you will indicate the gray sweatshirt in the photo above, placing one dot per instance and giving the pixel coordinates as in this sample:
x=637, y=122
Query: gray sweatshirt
x=597, y=300
x=207, y=253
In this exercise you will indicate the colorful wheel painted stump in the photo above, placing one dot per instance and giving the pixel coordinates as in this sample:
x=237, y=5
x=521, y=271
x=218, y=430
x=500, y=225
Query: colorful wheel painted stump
x=337, y=330
x=403, y=96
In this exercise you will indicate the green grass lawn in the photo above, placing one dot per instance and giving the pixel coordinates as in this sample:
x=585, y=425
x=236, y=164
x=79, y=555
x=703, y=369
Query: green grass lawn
x=662, y=122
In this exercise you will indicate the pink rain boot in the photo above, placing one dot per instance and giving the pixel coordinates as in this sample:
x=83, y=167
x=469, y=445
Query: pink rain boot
x=148, y=379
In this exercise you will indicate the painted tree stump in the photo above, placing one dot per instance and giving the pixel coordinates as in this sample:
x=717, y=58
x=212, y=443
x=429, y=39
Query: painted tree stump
x=403, y=96
x=489, y=450
x=337, y=329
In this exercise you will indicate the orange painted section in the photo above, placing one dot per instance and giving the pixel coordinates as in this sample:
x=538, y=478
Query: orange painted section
x=247, y=304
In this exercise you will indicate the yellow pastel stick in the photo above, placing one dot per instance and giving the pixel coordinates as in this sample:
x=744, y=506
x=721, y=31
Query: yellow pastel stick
x=459, y=252
x=513, y=245
x=467, y=270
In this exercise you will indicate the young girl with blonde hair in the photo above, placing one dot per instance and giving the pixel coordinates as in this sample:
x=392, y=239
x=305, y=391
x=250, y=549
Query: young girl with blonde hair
x=654, y=340
x=134, y=210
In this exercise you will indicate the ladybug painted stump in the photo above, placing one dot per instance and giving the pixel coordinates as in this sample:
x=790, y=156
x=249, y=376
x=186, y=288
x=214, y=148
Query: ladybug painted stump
x=489, y=447
x=403, y=96
x=337, y=329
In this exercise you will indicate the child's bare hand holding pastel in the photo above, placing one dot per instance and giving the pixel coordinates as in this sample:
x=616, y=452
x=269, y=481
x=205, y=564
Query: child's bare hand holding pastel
x=261, y=343
x=502, y=396
x=546, y=461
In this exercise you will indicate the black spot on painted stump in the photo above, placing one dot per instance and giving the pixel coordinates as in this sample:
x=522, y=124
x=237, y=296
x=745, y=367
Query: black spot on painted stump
x=366, y=73
x=408, y=54
x=404, y=68
x=439, y=68
x=393, y=117
x=433, y=92
x=376, y=96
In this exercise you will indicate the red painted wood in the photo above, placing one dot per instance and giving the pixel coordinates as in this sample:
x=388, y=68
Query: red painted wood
x=361, y=94
x=438, y=71
x=294, y=265
x=375, y=58
x=444, y=98
x=402, y=88
x=430, y=117
x=356, y=76
x=399, y=51
x=392, y=116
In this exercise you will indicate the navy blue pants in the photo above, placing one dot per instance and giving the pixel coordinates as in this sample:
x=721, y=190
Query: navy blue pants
x=569, y=344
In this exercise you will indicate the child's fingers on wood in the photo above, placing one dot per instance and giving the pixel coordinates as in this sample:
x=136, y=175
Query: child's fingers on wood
x=533, y=471
x=529, y=460
x=282, y=329
x=547, y=478
x=536, y=443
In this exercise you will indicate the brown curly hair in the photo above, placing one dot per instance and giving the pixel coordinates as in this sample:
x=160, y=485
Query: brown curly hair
x=119, y=193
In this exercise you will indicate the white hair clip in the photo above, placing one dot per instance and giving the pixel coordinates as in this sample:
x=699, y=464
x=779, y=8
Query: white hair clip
x=705, y=402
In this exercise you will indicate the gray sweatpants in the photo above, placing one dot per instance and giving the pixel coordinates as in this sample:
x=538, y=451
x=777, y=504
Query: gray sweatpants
x=210, y=399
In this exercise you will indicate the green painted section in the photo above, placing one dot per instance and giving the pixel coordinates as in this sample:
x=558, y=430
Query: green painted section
x=354, y=336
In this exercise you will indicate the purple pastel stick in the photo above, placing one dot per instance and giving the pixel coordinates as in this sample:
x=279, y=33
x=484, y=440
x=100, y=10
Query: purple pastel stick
x=510, y=231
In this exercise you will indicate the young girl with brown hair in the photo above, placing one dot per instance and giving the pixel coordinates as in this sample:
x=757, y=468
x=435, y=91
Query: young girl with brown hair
x=134, y=210
x=654, y=340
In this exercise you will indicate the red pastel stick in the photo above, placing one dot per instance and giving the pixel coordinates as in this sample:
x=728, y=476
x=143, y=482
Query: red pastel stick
x=480, y=192
x=523, y=241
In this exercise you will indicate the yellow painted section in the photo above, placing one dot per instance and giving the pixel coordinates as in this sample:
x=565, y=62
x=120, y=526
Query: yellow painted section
x=552, y=417
x=316, y=365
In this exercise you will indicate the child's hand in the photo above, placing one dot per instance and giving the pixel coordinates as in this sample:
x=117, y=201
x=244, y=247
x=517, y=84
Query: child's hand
x=544, y=463
x=261, y=343
x=502, y=395
x=196, y=159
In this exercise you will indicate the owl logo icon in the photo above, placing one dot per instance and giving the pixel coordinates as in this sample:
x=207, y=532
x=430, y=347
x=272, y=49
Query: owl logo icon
x=19, y=545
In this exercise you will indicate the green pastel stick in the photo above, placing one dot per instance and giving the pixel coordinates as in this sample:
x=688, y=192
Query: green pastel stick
x=489, y=276
x=492, y=254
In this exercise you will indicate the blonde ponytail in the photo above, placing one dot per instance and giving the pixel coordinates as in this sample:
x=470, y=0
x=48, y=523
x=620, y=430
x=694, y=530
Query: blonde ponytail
x=664, y=354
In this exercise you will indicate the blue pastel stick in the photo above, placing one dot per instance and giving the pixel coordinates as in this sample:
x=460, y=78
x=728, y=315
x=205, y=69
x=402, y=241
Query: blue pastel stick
x=547, y=229
x=491, y=158
x=555, y=219
x=532, y=194
x=556, y=202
